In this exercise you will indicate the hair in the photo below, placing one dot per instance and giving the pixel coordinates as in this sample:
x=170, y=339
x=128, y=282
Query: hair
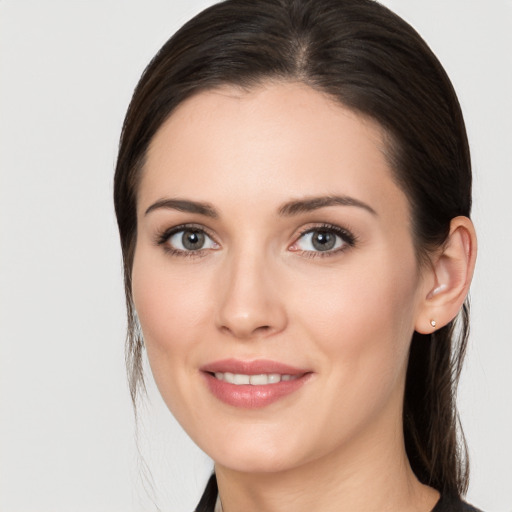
x=371, y=61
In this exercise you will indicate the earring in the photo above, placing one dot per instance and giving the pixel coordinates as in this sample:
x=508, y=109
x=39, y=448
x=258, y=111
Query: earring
x=433, y=323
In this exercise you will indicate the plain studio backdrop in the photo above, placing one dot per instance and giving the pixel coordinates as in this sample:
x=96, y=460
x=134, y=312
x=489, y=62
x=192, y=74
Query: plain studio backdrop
x=67, y=72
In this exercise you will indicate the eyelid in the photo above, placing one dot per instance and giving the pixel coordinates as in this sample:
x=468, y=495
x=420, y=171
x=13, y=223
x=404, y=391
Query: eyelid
x=348, y=238
x=163, y=236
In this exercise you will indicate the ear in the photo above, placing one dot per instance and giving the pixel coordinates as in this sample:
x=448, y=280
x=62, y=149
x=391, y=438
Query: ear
x=447, y=280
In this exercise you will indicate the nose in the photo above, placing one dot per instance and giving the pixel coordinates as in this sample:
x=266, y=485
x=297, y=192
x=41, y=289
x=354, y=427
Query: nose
x=250, y=303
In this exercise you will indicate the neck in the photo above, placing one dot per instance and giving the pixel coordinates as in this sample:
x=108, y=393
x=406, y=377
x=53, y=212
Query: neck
x=372, y=475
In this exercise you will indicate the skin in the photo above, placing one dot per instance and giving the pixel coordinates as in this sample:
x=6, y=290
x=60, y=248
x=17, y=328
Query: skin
x=259, y=290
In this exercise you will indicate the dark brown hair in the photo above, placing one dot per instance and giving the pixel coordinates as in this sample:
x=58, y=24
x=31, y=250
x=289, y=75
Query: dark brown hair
x=371, y=61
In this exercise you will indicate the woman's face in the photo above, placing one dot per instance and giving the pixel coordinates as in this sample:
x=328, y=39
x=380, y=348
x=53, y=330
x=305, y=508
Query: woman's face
x=273, y=241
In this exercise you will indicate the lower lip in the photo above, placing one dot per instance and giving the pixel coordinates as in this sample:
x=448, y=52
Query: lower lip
x=248, y=396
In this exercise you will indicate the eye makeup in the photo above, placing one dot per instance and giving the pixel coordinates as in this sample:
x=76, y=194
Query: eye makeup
x=194, y=240
x=325, y=240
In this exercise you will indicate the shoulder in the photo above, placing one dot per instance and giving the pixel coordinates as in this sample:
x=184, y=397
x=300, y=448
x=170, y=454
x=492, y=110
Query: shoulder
x=453, y=504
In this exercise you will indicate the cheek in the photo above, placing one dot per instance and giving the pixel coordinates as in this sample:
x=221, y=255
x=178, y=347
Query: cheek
x=166, y=298
x=172, y=309
x=363, y=320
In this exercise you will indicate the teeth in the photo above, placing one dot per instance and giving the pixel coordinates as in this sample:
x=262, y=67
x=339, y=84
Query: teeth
x=255, y=380
x=240, y=379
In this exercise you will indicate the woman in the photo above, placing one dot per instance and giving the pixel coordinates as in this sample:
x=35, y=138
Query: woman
x=293, y=192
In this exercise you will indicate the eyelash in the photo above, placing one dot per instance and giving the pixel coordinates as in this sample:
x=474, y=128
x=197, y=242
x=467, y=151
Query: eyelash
x=163, y=237
x=348, y=238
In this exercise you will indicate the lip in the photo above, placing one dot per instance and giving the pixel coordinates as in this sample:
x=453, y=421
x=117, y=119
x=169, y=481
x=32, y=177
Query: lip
x=252, y=367
x=248, y=396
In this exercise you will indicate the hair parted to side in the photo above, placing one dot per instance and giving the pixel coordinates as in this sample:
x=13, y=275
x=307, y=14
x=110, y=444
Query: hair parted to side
x=371, y=61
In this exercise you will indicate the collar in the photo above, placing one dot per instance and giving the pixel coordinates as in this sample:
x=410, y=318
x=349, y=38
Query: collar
x=218, y=505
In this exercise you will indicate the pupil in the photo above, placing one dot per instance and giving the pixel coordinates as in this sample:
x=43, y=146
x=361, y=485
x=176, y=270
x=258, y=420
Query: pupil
x=323, y=240
x=192, y=240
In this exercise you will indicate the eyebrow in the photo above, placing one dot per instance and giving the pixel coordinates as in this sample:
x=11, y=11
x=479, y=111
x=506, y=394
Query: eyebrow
x=184, y=205
x=314, y=203
x=289, y=209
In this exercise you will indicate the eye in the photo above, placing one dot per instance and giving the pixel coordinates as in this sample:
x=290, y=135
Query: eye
x=325, y=239
x=186, y=240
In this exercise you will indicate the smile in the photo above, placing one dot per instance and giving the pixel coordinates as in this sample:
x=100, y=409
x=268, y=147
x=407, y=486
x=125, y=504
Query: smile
x=262, y=379
x=253, y=384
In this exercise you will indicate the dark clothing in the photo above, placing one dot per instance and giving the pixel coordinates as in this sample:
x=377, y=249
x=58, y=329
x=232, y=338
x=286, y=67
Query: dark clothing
x=445, y=504
x=451, y=504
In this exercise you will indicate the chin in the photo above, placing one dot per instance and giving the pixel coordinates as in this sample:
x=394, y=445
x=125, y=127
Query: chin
x=254, y=462
x=257, y=452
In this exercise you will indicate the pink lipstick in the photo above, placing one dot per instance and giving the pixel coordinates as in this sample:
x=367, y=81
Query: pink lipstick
x=252, y=384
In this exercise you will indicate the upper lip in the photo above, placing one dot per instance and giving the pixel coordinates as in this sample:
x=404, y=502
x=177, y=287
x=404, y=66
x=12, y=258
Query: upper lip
x=256, y=367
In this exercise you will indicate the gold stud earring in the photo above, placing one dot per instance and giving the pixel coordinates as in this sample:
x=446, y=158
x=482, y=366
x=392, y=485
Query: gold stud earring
x=433, y=323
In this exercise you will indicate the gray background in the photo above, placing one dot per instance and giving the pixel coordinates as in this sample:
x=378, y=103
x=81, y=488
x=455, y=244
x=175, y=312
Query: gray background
x=67, y=71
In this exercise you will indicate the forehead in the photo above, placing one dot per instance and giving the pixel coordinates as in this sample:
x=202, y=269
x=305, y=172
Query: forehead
x=265, y=145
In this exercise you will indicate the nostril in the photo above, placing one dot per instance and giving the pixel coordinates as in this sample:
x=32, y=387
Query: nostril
x=241, y=332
